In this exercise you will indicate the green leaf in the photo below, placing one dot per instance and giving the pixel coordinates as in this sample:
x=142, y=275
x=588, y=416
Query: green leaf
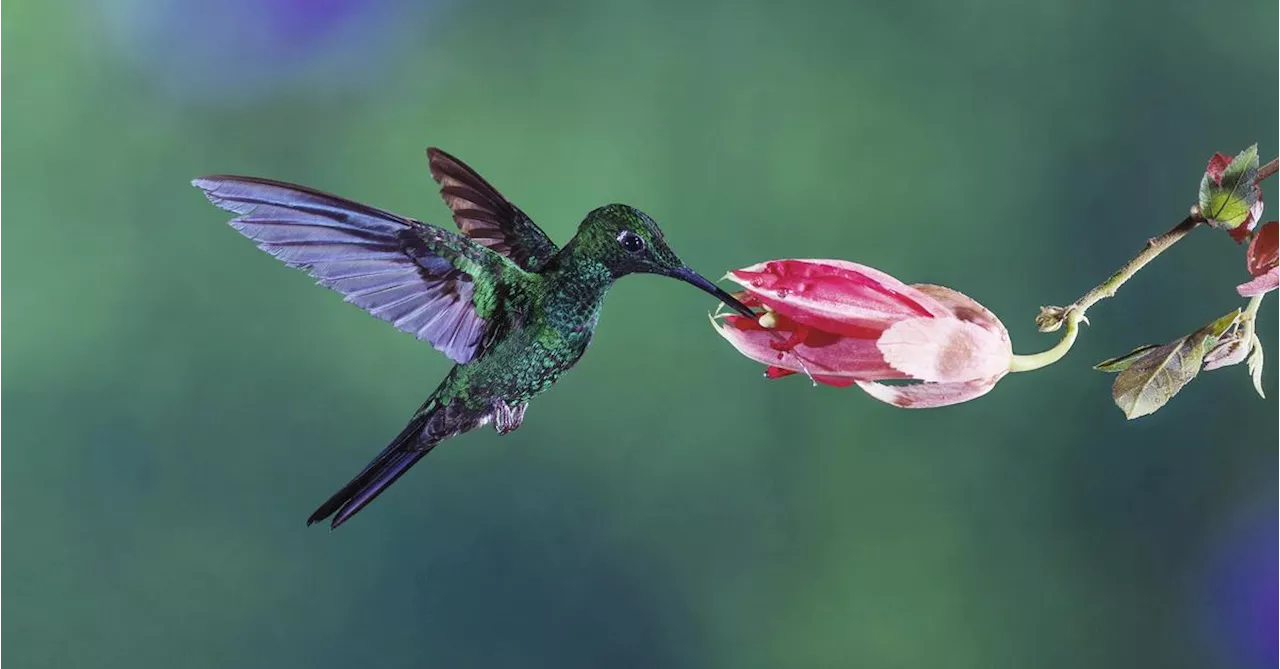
x=1255, y=364
x=1121, y=363
x=1225, y=202
x=1152, y=379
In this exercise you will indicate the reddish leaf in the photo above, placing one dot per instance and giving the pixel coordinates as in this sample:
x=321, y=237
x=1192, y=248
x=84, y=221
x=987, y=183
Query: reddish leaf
x=1263, y=254
x=1217, y=165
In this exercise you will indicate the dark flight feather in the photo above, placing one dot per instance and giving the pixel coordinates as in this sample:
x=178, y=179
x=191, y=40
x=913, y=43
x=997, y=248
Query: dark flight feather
x=483, y=214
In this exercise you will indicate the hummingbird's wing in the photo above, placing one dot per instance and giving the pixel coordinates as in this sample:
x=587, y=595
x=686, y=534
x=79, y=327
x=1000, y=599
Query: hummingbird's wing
x=420, y=278
x=485, y=216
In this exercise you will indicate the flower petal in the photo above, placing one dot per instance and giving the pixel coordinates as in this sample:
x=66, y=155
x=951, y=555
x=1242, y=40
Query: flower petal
x=820, y=354
x=834, y=295
x=1263, y=254
x=1264, y=283
x=964, y=308
x=928, y=395
x=1233, y=351
x=835, y=381
x=945, y=350
x=777, y=372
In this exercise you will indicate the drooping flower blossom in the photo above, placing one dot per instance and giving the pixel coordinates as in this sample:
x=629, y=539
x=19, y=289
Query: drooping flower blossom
x=842, y=324
x=1215, y=171
x=1263, y=262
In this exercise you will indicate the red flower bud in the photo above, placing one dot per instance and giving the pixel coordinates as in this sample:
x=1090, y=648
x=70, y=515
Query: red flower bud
x=842, y=323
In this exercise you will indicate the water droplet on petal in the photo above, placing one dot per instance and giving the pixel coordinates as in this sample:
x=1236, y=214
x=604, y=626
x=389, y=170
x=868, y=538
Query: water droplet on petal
x=783, y=293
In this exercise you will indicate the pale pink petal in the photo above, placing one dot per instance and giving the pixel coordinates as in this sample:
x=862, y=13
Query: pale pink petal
x=928, y=395
x=820, y=354
x=964, y=307
x=835, y=295
x=944, y=350
x=1225, y=354
x=1264, y=283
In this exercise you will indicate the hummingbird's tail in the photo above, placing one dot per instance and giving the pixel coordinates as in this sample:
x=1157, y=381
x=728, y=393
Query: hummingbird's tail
x=402, y=453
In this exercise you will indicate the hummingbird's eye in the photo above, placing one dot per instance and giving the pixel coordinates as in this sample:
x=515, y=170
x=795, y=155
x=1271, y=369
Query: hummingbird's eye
x=631, y=242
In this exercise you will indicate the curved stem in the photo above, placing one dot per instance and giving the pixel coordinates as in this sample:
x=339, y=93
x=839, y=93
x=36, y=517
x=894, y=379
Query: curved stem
x=1027, y=363
x=1071, y=316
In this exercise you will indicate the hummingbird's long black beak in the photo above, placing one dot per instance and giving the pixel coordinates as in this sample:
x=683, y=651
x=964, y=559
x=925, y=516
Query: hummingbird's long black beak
x=689, y=276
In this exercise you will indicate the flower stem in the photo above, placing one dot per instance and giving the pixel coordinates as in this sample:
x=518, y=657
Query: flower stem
x=1267, y=170
x=1252, y=310
x=1248, y=320
x=1072, y=315
x=1154, y=247
x=1027, y=363
x=1053, y=318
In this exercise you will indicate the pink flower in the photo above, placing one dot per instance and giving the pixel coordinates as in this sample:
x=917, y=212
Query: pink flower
x=1215, y=170
x=1261, y=259
x=842, y=324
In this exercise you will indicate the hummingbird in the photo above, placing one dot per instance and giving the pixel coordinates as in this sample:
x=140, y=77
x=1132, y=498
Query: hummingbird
x=509, y=307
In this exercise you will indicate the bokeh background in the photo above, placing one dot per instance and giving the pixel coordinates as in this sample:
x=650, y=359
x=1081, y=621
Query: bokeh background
x=178, y=402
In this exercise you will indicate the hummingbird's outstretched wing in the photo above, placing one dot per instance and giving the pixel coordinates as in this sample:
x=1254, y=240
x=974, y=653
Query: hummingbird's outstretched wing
x=485, y=216
x=420, y=278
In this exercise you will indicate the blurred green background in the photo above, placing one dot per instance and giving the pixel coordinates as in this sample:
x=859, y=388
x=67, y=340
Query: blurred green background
x=179, y=402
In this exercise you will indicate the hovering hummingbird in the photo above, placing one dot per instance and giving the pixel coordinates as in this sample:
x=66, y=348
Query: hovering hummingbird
x=509, y=307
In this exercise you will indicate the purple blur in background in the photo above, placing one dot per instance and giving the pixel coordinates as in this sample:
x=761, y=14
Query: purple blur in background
x=237, y=51
x=1240, y=605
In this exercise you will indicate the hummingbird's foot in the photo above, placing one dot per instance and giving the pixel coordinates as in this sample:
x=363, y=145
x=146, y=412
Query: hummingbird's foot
x=507, y=417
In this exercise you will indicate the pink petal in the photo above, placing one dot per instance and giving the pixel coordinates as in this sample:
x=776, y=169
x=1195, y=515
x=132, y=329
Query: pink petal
x=797, y=337
x=1261, y=284
x=836, y=381
x=1263, y=254
x=834, y=295
x=1217, y=166
x=777, y=372
x=964, y=307
x=1225, y=354
x=820, y=354
x=928, y=395
x=945, y=350
x=747, y=299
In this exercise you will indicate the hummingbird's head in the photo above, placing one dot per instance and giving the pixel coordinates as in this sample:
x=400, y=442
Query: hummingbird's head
x=627, y=241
